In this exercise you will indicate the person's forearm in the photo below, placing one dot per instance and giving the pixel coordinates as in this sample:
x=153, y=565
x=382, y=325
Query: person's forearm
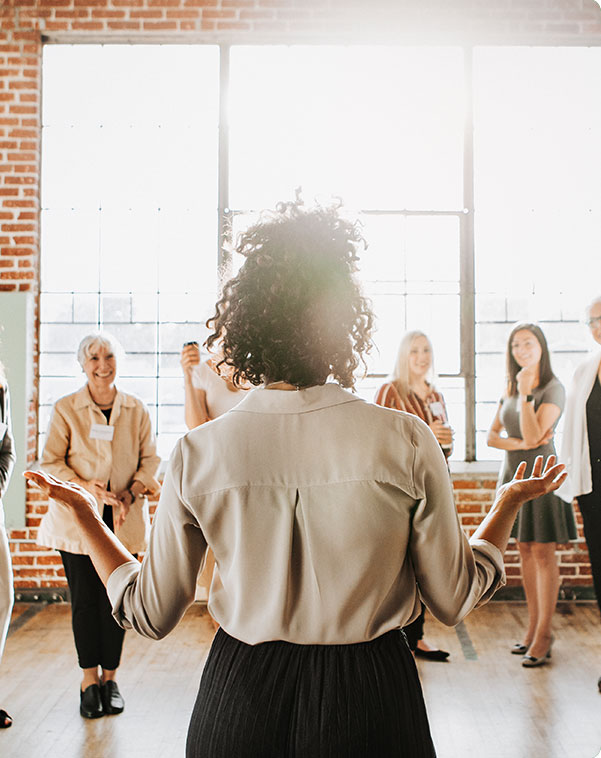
x=137, y=488
x=195, y=412
x=529, y=426
x=504, y=443
x=104, y=549
x=496, y=526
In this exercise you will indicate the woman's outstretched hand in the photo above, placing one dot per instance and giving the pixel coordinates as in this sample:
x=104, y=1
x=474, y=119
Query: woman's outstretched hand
x=541, y=481
x=72, y=495
x=497, y=524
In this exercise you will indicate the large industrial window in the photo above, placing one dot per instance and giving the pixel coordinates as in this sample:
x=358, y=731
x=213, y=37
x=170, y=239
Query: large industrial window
x=129, y=214
x=475, y=174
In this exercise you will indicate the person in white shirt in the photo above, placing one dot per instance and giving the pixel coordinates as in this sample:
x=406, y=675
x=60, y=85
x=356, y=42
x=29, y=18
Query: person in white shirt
x=207, y=395
x=330, y=519
x=7, y=461
x=581, y=447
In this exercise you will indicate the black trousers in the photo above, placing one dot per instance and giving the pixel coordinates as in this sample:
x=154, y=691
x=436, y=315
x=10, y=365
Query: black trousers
x=98, y=637
x=590, y=508
x=281, y=700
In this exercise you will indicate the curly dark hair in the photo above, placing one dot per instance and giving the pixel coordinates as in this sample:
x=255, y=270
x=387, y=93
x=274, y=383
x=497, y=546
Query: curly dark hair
x=294, y=313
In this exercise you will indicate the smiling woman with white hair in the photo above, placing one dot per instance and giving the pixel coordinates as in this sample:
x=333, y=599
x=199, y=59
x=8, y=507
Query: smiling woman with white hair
x=581, y=446
x=100, y=438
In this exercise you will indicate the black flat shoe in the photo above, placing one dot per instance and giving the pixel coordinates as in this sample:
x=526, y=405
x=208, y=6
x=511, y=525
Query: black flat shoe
x=598, y=685
x=112, y=699
x=90, y=702
x=431, y=655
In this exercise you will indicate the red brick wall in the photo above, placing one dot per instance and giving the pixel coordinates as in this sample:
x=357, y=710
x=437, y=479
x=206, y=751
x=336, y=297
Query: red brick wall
x=473, y=497
x=24, y=23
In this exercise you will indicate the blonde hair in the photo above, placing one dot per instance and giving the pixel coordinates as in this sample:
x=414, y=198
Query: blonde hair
x=400, y=373
x=95, y=340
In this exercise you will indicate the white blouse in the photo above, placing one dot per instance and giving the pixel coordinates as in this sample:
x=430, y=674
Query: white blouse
x=574, y=445
x=219, y=397
x=329, y=518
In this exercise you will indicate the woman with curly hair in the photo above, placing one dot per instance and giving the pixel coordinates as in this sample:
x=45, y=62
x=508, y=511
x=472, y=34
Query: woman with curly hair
x=324, y=513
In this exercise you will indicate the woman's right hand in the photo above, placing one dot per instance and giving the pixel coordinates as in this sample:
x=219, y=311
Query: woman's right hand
x=442, y=432
x=71, y=494
x=189, y=358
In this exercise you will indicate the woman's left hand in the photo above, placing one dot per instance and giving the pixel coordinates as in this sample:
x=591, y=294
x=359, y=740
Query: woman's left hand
x=72, y=495
x=546, y=476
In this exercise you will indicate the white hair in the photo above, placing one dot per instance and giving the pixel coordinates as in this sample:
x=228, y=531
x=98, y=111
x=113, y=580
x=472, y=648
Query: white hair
x=95, y=340
x=400, y=372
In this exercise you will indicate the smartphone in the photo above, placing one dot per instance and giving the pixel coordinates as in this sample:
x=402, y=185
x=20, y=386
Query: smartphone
x=192, y=342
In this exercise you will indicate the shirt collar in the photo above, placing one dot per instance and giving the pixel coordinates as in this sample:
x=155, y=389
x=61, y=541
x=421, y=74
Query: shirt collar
x=83, y=399
x=262, y=400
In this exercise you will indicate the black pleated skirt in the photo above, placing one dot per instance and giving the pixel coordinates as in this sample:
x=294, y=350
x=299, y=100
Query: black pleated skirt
x=281, y=700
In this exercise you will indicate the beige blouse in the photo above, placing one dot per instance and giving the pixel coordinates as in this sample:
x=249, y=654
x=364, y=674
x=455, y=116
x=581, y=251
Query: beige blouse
x=329, y=517
x=73, y=450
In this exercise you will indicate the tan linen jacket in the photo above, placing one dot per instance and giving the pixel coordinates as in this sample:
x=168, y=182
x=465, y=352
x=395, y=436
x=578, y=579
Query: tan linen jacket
x=70, y=452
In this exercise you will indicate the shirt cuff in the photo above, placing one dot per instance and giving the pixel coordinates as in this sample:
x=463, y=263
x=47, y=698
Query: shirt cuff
x=490, y=558
x=116, y=587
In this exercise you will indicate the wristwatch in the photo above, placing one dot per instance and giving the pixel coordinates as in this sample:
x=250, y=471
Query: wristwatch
x=132, y=493
x=528, y=398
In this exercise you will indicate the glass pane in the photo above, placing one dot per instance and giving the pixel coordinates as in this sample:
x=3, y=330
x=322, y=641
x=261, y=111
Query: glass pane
x=145, y=389
x=410, y=272
x=187, y=250
x=128, y=250
x=347, y=121
x=70, y=250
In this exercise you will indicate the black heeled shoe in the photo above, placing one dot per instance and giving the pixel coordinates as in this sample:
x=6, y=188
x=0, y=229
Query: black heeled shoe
x=431, y=655
x=112, y=699
x=90, y=702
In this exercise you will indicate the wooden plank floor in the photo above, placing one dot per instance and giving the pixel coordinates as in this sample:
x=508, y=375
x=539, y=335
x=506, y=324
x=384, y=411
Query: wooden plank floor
x=482, y=704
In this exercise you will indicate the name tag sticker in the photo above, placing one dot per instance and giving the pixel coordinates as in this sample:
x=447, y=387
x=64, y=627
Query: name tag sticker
x=102, y=432
x=3, y=428
x=437, y=409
